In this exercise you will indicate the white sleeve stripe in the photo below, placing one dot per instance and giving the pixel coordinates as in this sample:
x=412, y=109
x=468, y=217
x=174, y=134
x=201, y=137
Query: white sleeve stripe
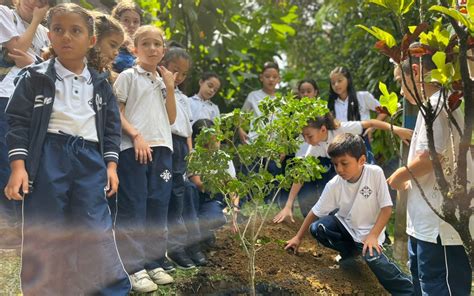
x=17, y=153
x=18, y=149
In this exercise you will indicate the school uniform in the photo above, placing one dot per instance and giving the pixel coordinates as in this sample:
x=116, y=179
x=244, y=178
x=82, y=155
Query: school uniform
x=367, y=103
x=203, y=109
x=124, y=60
x=144, y=191
x=66, y=127
x=358, y=206
x=12, y=26
x=438, y=262
x=251, y=105
x=181, y=130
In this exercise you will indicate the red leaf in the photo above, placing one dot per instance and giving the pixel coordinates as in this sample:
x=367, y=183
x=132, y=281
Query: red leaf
x=382, y=110
x=454, y=100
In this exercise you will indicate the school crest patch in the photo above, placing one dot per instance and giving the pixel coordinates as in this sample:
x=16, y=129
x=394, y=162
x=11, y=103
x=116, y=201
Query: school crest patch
x=166, y=175
x=366, y=191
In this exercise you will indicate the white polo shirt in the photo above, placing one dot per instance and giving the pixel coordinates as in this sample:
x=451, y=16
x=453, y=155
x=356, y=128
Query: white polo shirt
x=251, y=104
x=366, y=100
x=321, y=150
x=359, y=203
x=145, y=109
x=182, y=124
x=422, y=222
x=203, y=109
x=73, y=111
x=11, y=26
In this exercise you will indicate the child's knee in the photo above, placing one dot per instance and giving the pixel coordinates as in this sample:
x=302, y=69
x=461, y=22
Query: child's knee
x=371, y=258
x=318, y=231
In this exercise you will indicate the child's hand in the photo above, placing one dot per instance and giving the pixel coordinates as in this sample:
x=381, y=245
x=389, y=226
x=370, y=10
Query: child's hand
x=18, y=181
x=142, y=150
x=370, y=243
x=368, y=132
x=283, y=214
x=293, y=244
x=39, y=14
x=394, y=182
x=21, y=58
x=112, y=179
x=168, y=77
x=403, y=133
x=244, y=138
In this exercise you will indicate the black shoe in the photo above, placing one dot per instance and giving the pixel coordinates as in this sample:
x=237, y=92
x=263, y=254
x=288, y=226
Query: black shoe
x=167, y=265
x=181, y=259
x=197, y=256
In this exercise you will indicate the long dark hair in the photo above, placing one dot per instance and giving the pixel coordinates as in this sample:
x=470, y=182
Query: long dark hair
x=353, y=113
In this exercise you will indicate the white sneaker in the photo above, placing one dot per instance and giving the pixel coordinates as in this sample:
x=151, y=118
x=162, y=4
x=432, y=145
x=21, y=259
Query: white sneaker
x=160, y=277
x=141, y=282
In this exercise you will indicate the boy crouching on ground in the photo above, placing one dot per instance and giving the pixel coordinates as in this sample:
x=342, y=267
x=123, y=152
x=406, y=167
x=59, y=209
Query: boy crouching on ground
x=352, y=213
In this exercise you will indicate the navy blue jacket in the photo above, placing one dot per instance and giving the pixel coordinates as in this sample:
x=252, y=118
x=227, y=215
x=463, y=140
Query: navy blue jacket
x=30, y=107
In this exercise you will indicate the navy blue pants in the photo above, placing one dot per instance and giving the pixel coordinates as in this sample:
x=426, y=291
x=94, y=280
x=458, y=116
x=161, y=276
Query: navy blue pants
x=68, y=241
x=311, y=191
x=142, y=209
x=203, y=215
x=330, y=232
x=10, y=210
x=439, y=270
x=177, y=230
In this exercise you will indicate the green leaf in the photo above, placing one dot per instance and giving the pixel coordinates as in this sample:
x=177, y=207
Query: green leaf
x=388, y=100
x=379, y=2
x=406, y=8
x=439, y=58
x=453, y=13
x=284, y=29
x=380, y=35
x=470, y=9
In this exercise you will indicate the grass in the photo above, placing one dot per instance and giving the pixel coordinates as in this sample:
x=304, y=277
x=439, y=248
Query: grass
x=9, y=272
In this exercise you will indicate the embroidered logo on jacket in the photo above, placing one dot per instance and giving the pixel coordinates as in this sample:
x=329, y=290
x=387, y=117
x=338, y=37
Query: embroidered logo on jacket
x=40, y=101
x=366, y=191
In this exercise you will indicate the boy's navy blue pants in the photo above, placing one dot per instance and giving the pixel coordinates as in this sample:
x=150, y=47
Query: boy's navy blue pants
x=68, y=242
x=177, y=232
x=439, y=270
x=142, y=209
x=203, y=215
x=10, y=210
x=331, y=233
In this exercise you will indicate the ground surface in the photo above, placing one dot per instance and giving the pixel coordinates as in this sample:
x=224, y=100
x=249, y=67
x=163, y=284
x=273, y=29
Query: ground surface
x=312, y=272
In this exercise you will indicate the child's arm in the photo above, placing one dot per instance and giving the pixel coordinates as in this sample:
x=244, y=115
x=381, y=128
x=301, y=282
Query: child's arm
x=287, y=211
x=404, y=133
x=198, y=182
x=168, y=79
x=380, y=117
x=142, y=149
x=371, y=241
x=23, y=42
x=112, y=135
x=294, y=243
x=189, y=142
x=419, y=166
x=19, y=112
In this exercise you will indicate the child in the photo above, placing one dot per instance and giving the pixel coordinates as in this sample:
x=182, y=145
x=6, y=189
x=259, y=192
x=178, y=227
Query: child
x=310, y=191
x=269, y=77
x=359, y=197
x=319, y=133
x=201, y=105
x=20, y=29
x=147, y=108
x=205, y=213
x=110, y=36
x=348, y=105
x=63, y=148
x=128, y=13
x=438, y=262
x=178, y=61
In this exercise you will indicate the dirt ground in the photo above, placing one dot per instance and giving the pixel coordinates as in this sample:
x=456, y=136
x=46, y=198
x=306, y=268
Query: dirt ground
x=312, y=272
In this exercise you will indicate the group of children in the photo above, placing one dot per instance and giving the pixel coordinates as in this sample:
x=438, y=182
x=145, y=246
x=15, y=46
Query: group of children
x=102, y=104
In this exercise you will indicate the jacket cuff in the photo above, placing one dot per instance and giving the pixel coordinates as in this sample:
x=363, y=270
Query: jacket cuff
x=111, y=156
x=17, y=153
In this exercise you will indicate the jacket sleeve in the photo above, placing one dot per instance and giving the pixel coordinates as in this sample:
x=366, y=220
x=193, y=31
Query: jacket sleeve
x=19, y=112
x=112, y=128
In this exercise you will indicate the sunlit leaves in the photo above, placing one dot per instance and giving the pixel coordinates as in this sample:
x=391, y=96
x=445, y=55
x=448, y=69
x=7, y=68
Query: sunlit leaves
x=465, y=20
x=388, y=100
x=381, y=35
x=398, y=7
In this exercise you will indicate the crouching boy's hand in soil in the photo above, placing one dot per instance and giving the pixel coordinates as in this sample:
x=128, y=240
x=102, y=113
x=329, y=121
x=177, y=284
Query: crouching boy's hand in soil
x=294, y=243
